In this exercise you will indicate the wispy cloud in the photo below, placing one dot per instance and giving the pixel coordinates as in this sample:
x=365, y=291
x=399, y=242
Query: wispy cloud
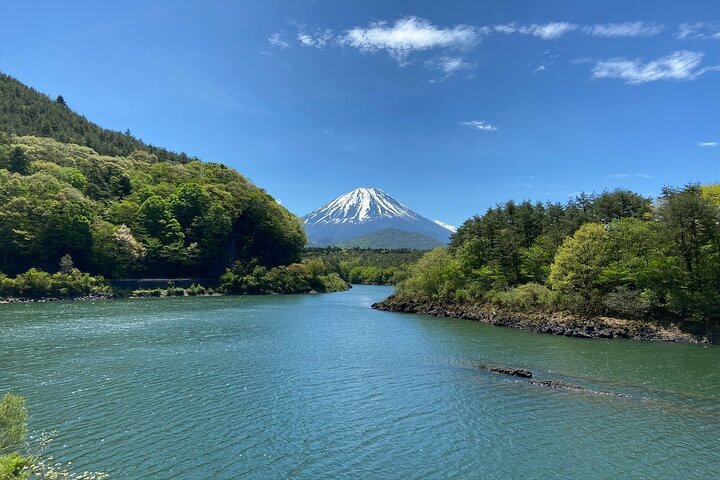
x=698, y=30
x=708, y=144
x=277, y=40
x=547, y=31
x=448, y=66
x=627, y=175
x=408, y=35
x=452, y=228
x=480, y=125
x=625, y=29
x=317, y=38
x=549, y=58
x=681, y=65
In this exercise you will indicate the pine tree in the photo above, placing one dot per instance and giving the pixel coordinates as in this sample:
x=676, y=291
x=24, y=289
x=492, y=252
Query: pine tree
x=61, y=100
x=66, y=264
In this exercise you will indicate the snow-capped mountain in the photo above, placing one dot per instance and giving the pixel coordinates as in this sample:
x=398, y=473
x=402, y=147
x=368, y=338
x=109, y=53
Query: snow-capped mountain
x=363, y=211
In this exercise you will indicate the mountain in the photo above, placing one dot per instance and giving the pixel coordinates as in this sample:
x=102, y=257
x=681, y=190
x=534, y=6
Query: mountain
x=364, y=211
x=393, y=239
x=120, y=207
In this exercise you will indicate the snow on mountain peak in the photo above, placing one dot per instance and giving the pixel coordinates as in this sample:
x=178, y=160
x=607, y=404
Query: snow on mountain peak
x=360, y=206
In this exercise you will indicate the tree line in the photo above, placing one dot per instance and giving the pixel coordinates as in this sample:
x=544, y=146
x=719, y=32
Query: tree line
x=25, y=111
x=133, y=216
x=366, y=266
x=616, y=253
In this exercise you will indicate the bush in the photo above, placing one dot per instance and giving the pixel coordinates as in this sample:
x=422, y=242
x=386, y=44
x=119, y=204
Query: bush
x=628, y=302
x=196, y=290
x=530, y=296
x=37, y=284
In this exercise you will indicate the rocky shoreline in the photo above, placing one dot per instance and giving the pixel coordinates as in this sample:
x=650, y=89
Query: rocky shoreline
x=83, y=298
x=555, y=323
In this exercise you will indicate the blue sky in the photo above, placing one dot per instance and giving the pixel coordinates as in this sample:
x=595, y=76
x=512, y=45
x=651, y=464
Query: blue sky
x=449, y=106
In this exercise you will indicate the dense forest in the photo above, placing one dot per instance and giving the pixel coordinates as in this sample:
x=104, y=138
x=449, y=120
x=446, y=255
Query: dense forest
x=366, y=266
x=617, y=253
x=134, y=215
x=117, y=207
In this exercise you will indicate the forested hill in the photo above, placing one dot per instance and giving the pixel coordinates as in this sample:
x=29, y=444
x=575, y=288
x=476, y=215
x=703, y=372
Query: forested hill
x=617, y=253
x=25, y=111
x=120, y=208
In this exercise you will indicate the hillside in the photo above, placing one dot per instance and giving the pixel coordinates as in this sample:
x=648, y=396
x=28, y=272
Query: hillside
x=25, y=111
x=121, y=208
x=392, y=238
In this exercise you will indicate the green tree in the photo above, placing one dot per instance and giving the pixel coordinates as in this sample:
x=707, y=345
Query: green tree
x=66, y=264
x=18, y=161
x=435, y=275
x=690, y=220
x=13, y=413
x=580, y=262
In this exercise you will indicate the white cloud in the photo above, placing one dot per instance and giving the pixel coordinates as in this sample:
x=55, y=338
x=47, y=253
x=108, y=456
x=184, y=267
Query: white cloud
x=452, y=228
x=699, y=30
x=626, y=29
x=708, y=144
x=448, y=66
x=547, y=31
x=627, y=175
x=680, y=65
x=480, y=125
x=277, y=40
x=316, y=39
x=408, y=35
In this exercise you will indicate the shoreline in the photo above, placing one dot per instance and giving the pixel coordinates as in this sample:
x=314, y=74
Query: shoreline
x=554, y=323
x=106, y=297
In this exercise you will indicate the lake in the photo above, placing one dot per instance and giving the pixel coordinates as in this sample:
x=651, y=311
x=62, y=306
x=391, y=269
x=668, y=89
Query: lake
x=322, y=386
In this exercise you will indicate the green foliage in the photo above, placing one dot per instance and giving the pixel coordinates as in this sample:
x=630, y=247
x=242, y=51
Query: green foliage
x=127, y=216
x=311, y=276
x=18, y=161
x=13, y=413
x=435, y=275
x=366, y=266
x=600, y=254
x=20, y=461
x=120, y=207
x=14, y=467
x=64, y=284
x=527, y=297
x=580, y=262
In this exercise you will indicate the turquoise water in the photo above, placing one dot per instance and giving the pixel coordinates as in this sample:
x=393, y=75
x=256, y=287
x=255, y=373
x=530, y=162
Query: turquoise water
x=321, y=386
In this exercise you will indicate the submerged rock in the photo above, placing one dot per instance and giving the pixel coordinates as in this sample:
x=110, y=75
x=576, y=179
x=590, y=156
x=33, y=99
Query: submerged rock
x=573, y=388
x=515, y=372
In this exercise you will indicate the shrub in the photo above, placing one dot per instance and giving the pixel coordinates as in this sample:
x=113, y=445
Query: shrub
x=529, y=296
x=627, y=302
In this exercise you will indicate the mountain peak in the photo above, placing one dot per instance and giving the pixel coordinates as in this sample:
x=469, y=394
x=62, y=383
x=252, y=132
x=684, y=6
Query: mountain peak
x=359, y=206
x=365, y=210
